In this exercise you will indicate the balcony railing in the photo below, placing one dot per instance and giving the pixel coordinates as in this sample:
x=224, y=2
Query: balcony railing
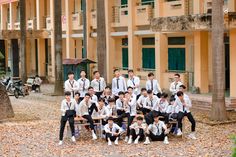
x=175, y=8
x=9, y=26
x=144, y=13
x=17, y=26
x=94, y=19
x=48, y=23
x=76, y=21
x=120, y=16
x=63, y=22
x=31, y=24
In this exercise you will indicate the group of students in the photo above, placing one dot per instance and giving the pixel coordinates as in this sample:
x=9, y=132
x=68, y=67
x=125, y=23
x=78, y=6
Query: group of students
x=125, y=99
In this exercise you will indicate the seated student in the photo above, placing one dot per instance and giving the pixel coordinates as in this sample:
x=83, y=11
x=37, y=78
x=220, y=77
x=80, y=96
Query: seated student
x=134, y=82
x=151, y=104
x=68, y=114
x=98, y=83
x=112, y=131
x=162, y=105
x=107, y=94
x=101, y=109
x=157, y=131
x=120, y=106
x=83, y=112
x=172, y=110
x=77, y=97
x=184, y=104
x=137, y=131
x=94, y=100
x=36, y=84
x=111, y=108
x=141, y=101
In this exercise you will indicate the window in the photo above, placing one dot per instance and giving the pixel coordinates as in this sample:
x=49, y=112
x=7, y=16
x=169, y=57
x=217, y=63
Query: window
x=176, y=41
x=124, y=2
x=176, y=59
x=148, y=2
x=125, y=42
x=125, y=58
x=148, y=41
x=148, y=58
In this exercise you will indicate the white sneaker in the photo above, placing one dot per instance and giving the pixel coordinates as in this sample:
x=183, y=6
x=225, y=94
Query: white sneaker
x=126, y=139
x=94, y=136
x=166, y=140
x=60, y=143
x=179, y=132
x=192, y=136
x=116, y=141
x=136, y=141
x=73, y=139
x=147, y=141
x=109, y=143
x=130, y=140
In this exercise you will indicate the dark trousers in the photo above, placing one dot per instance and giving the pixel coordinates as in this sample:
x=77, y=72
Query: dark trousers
x=116, y=97
x=145, y=111
x=92, y=108
x=165, y=115
x=63, y=124
x=149, y=117
x=34, y=86
x=130, y=120
x=158, y=95
x=98, y=94
x=140, y=134
x=190, y=118
x=120, y=112
x=112, y=137
x=156, y=137
x=90, y=120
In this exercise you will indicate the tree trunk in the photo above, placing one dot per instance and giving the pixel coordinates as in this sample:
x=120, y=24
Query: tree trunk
x=23, y=41
x=58, y=87
x=101, y=38
x=84, y=28
x=6, y=110
x=218, y=63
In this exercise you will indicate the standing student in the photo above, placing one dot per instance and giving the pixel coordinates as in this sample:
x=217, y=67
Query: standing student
x=163, y=104
x=112, y=131
x=157, y=131
x=184, y=105
x=68, y=114
x=137, y=131
x=142, y=100
x=83, y=84
x=118, y=84
x=107, y=94
x=134, y=82
x=174, y=86
x=84, y=113
x=152, y=84
x=71, y=85
x=98, y=84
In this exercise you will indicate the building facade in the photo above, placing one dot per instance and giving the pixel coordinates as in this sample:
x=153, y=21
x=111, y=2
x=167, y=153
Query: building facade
x=130, y=42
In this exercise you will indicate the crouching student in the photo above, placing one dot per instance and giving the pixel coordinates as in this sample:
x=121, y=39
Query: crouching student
x=157, y=131
x=162, y=105
x=112, y=131
x=137, y=131
x=68, y=113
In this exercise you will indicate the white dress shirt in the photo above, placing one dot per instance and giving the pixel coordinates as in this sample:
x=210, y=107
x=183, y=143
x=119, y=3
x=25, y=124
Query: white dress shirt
x=118, y=84
x=141, y=101
x=154, y=86
x=151, y=103
x=71, y=86
x=172, y=109
x=162, y=105
x=120, y=105
x=94, y=98
x=134, y=82
x=174, y=87
x=102, y=112
x=113, y=129
x=180, y=105
x=98, y=84
x=67, y=106
x=157, y=128
x=137, y=127
x=83, y=84
x=111, y=111
x=131, y=107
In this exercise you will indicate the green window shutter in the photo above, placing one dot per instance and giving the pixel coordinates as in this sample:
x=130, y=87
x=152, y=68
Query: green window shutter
x=83, y=53
x=124, y=2
x=176, y=59
x=125, y=58
x=147, y=2
x=148, y=58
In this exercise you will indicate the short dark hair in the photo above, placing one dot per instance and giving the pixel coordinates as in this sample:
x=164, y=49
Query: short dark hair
x=126, y=92
x=182, y=86
x=36, y=75
x=143, y=89
x=107, y=87
x=70, y=73
x=121, y=93
x=130, y=71
x=87, y=94
x=172, y=98
x=149, y=91
x=155, y=116
x=150, y=74
x=101, y=100
x=139, y=118
x=90, y=87
x=130, y=88
x=180, y=93
x=95, y=72
x=67, y=93
x=164, y=95
x=111, y=100
x=77, y=93
x=110, y=118
x=115, y=70
x=177, y=75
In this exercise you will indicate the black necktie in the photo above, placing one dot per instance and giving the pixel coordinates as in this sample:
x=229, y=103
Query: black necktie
x=151, y=84
x=117, y=83
x=122, y=104
x=151, y=103
x=157, y=129
x=133, y=81
x=84, y=85
x=99, y=85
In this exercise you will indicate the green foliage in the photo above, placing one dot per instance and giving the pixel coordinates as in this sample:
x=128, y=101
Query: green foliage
x=234, y=147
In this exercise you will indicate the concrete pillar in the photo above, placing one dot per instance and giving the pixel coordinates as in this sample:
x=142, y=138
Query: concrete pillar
x=232, y=5
x=41, y=57
x=70, y=43
x=3, y=17
x=52, y=40
x=232, y=63
x=201, y=61
x=13, y=14
x=40, y=13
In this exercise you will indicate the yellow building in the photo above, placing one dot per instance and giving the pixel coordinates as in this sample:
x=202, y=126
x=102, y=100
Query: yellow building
x=130, y=41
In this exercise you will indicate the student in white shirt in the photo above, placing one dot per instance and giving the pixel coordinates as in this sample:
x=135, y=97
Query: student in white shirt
x=68, y=107
x=112, y=131
x=98, y=84
x=107, y=94
x=134, y=82
x=184, y=105
x=111, y=108
x=137, y=131
x=102, y=111
x=172, y=110
x=83, y=113
x=163, y=105
x=152, y=84
x=71, y=85
x=83, y=84
x=157, y=131
x=118, y=84
x=120, y=103
x=174, y=86
x=93, y=99
x=142, y=100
